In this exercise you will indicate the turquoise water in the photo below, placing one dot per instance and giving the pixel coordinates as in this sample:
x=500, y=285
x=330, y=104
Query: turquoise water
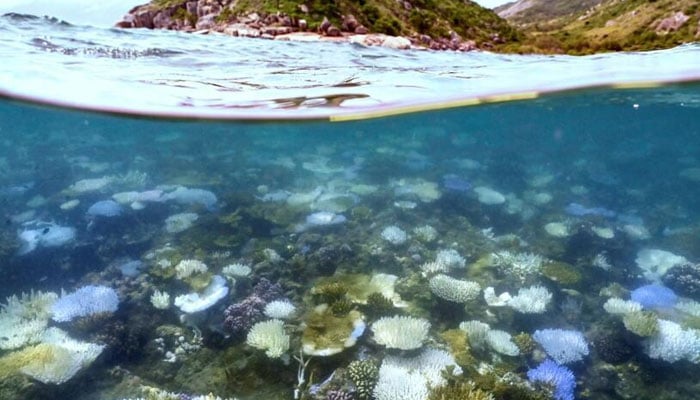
x=572, y=203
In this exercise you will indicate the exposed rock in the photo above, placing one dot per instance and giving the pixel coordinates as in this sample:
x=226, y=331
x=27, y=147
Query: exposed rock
x=361, y=30
x=202, y=16
x=672, y=23
x=350, y=23
x=396, y=42
x=206, y=22
x=333, y=31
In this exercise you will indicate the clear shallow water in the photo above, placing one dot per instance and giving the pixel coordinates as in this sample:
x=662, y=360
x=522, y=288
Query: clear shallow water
x=590, y=182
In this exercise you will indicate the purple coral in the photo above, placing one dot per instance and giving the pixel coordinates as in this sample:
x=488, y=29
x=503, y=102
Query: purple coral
x=241, y=316
x=560, y=377
x=267, y=291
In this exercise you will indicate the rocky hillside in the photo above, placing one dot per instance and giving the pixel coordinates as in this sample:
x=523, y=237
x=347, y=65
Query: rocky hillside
x=559, y=26
x=528, y=12
x=440, y=24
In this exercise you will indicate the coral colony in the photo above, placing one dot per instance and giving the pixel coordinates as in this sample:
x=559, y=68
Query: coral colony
x=304, y=280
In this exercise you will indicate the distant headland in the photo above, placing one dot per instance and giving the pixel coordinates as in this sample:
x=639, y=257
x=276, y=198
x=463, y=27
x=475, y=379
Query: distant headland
x=524, y=26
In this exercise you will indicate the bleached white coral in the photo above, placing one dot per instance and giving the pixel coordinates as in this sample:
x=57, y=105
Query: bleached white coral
x=502, y=342
x=177, y=223
x=400, y=332
x=476, y=331
x=396, y=383
x=564, y=346
x=236, y=270
x=160, y=300
x=496, y=301
x=673, y=343
x=425, y=233
x=521, y=265
x=23, y=319
x=454, y=290
x=279, y=309
x=196, y=302
x=186, y=268
x=394, y=235
x=430, y=363
x=85, y=301
x=433, y=267
x=616, y=305
x=532, y=300
x=655, y=262
x=410, y=378
x=68, y=357
x=450, y=258
x=269, y=336
x=480, y=334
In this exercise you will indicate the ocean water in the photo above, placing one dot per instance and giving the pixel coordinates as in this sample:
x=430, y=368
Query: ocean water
x=266, y=241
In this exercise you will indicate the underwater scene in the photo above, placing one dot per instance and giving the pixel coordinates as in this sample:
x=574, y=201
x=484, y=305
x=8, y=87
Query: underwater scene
x=541, y=249
x=207, y=217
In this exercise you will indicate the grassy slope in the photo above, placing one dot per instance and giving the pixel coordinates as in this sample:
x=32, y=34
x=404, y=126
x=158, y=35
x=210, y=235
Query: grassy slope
x=435, y=18
x=612, y=26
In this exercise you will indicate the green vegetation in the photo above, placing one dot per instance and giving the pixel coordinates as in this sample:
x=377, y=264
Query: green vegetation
x=630, y=25
x=546, y=26
x=435, y=18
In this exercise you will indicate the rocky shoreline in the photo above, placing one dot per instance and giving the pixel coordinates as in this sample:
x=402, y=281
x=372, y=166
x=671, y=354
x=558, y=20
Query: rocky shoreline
x=206, y=16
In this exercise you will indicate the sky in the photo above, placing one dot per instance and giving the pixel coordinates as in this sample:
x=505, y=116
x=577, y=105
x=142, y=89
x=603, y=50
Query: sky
x=492, y=3
x=100, y=12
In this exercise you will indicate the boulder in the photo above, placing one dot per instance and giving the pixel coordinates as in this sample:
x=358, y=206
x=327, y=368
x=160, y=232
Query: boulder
x=206, y=22
x=349, y=23
x=361, y=30
x=333, y=31
x=396, y=42
x=672, y=23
